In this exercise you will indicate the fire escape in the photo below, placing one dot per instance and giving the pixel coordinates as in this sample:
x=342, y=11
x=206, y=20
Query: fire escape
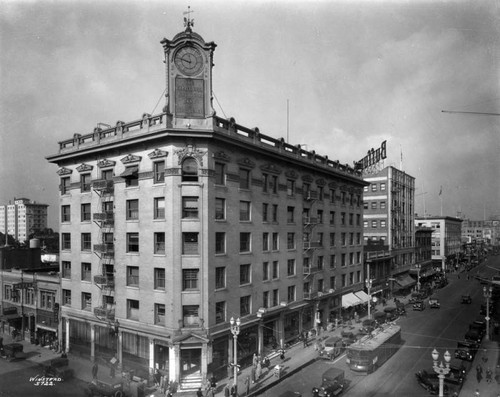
x=105, y=250
x=308, y=225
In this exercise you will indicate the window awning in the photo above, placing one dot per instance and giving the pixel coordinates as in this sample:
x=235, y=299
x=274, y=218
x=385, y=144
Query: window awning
x=350, y=299
x=8, y=317
x=363, y=296
x=130, y=171
x=405, y=281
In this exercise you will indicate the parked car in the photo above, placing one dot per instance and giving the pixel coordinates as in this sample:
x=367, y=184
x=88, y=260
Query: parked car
x=466, y=299
x=434, y=303
x=416, y=297
x=466, y=350
x=391, y=313
x=429, y=384
x=59, y=368
x=478, y=325
x=419, y=305
x=380, y=317
x=473, y=335
x=368, y=326
x=14, y=351
x=333, y=347
x=103, y=389
x=348, y=338
x=333, y=382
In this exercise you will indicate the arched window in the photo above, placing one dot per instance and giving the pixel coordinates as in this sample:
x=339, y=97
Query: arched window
x=189, y=170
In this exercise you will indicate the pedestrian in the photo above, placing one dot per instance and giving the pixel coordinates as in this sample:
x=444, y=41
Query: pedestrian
x=282, y=354
x=157, y=377
x=226, y=391
x=95, y=368
x=199, y=393
x=252, y=374
x=247, y=384
x=479, y=376
x=488, y=375
x=112, y=371
x=304, y=339
x=254, y=360
x=234, y=391
x=258, y=371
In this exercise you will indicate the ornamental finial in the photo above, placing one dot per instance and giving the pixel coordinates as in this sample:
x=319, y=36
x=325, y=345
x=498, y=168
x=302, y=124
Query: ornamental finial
x=188, y=22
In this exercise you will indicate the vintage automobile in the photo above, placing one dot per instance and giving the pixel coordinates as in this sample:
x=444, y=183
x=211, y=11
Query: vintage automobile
x=103, y=389
x=348, y=338
x=466, y=350
x=456, y=376
x=333, y=382
x=466, y=299
x=59, y=368
x=478, y=325
x=430, y=384
x=333, y=347
x=416, y=297
x=391, y=313
x=368, y=325
x=419, y=305
x=380, y=317
x=474, y=335
x=434, y=303
x=14, y=351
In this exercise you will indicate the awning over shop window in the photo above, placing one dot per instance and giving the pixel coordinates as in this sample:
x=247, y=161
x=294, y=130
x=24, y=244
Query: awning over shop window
x=8, y=317
x=405, y=281
x=350, y=299
x=362, y=295
x=130, y=171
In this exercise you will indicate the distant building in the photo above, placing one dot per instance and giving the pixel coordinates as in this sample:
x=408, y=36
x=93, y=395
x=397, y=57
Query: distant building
x=388, y=228
x=175, y=223
x=446, y=238
x=485, y=231
x=22, y=218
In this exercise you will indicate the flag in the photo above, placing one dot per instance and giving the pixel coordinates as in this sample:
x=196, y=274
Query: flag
x=441, y=190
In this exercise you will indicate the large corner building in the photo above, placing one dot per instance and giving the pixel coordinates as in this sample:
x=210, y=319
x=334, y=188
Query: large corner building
x=176, y=222
x=22, y=218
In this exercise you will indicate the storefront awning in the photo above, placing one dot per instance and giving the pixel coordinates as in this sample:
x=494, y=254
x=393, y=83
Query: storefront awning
x=405, y=281
x=129, y=171
x=350, y=299
x=8, y=317
x=363, y=296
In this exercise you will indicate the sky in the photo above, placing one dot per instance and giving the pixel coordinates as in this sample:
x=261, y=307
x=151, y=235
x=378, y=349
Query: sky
x=338, y=76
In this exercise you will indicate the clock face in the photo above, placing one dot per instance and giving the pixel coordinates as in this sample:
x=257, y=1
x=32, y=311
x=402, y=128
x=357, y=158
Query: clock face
x=189, y=60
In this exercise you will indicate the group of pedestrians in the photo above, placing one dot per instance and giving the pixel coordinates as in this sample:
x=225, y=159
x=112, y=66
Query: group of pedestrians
x=479, y=372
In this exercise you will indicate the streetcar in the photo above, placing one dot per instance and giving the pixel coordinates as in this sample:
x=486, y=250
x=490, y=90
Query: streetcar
x=371, y=351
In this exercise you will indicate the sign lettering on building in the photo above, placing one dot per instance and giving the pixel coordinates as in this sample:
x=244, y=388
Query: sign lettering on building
x=189, y=97
x=373, y=157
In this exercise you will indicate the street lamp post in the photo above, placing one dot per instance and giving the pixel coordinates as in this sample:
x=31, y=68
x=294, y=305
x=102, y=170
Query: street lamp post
x=487, y=294
x=235, y=330
x=418, y=276
x=368, y=283
x=440, y=369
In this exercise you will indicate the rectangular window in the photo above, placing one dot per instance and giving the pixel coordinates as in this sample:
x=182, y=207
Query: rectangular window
x=245, y=242
x=159, y=314
x=275, y=242
x=265, y=212
x=351, y=238
x=132, y=210
x=290, y=241
x=344, y=280
x=320, y=262
x=66, y=297
x=190, y=207
x=86, y=271
x=382, y=186
x=373, y=205
x=66, y=241
x=365, y=224
x=265, y=299
x=220, y=243
x=265, y=271
x=374, y=224
x=85, y=183
x=220, y=277
x=332, y=239
x=132, y=242
x=107, y=175
x=351, y=219
x=159, y=279
x=159, y=172
x=358, y=219
x=374, y=187
x=132, y=276
x=343, y=261
x=190, y=279
x=159, y=248
x=291, y=293
x=321, y=193
x=276, y=297
x=66, y=269
x=159, y=208
x=220, y=312
x=274, y=184
x=220, y=174
x=365, y=205
x=244, y=178
x=86, y=216
x=320, y=239
x=86, y=301
x=321, y=285
x=382, y=223
x=358, y=238
x=245, y=274
x=275, y=212
x=351, y=258
x=320, y=216
x=265, y=241
x=383, y=205
x=65, y=184
x=220, y=208
x=132, y=176
x=132, y=309
x=342, y=218
x=343, y=239
x=290, y=215
x=332, y=261
x=190, y=314
x=290, y=267
x=86, y=242
x=65, y=213
x=245, y=305
x=332, y=282
x=265, y=182
x=332, y=217
x=332, y=196
x=244, y=211
x=275, y=270
x=351, y=278
x=190, y=243
x=290, y=187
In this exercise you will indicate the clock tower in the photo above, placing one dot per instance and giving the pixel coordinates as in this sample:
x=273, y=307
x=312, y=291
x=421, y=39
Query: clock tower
x=188, y=61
